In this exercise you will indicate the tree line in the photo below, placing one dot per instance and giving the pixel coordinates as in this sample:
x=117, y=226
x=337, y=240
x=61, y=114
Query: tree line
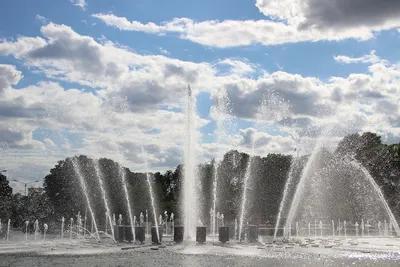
x=63, y=195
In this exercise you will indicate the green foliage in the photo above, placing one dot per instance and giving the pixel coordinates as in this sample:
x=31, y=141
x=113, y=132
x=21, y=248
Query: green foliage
x=63, y=196
x=5, y=198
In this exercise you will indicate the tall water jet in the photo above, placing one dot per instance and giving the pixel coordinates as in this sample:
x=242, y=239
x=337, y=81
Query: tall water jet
x=8, y=229
x=190, y=200
x=285, y=195
x=307, y=171
x=214, y=207
x=244, y=197
x=274, y=107
x=122, y=174
x=371, y=180
x=83, y=186
x=153, y=205
x=100, y=179
x=224, y=120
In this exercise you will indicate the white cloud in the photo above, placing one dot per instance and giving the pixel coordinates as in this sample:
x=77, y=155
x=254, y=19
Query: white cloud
x=80, y=3
x=238, y=67
x=371, y=58
x=263, y=142
x=146, y=81
x=288, y=22
x=9, y=75
x=16, y=135
x=326, y=14
x=230, y=33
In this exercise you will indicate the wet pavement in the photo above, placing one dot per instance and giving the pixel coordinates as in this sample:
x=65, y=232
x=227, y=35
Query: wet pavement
x=297, y=252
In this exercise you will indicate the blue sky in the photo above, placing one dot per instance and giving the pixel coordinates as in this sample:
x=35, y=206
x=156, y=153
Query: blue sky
x=103, y=77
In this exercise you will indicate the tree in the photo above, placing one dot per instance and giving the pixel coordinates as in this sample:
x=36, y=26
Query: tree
x=5, y=198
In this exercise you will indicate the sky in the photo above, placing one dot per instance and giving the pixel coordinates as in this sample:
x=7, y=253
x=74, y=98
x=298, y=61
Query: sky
x=104, y=78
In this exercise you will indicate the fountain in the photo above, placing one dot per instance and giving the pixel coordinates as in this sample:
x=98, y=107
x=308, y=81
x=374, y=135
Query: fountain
x=83, y=186
x=362, y=227
x=45, y=227
x=326, y=184
x=79, y=225
x=84, y=233
x=236, y=229
x=386, y=228
x=104, y=195
x=26, y=230
x=315, y=228
x=141, y=219
x=244, y=197
x=190, y=183
x=122, y=174
x=147, y=222
x=379, y=193
x=166, y=222
x=71, y=226
x=213, y=209
x=320, y=227
x=107, y=217
x=8, y=229
x=62, y=227
x=153, y=206
x=300, y=187
x=356, y=225
x=380, y=228
x=288, y=183
x=224, y=122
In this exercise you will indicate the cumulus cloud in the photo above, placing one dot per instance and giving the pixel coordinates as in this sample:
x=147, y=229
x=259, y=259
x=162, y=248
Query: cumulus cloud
x=326, y=14
x=18, y=136
x=263, y=143
x=288, y=22
x=145, y=81
x=376, y=15
x=306, y=95
x=9, y=75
